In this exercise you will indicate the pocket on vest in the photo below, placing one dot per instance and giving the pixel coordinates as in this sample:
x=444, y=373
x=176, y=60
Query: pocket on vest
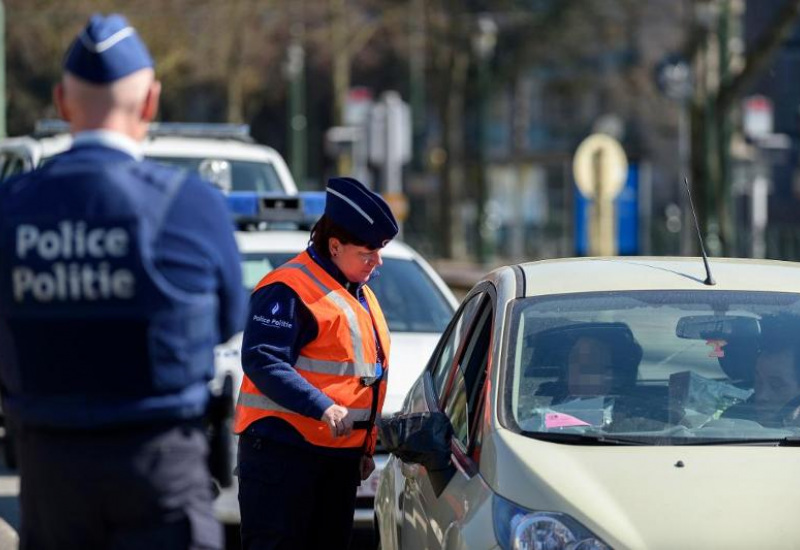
x=181, y=347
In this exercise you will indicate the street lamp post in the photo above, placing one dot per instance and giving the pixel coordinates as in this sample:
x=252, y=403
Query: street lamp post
x=295, y=72
x=674, y=78
x=483, y=44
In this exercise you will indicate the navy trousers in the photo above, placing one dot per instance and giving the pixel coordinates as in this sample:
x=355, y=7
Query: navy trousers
x=292, y=498
x=117, y=490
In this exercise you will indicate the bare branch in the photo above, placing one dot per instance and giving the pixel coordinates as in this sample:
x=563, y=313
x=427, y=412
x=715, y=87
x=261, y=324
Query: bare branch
x=760, y=55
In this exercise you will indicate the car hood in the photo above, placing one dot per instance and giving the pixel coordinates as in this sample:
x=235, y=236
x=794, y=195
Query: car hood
x=409, y=355
x=642, y=497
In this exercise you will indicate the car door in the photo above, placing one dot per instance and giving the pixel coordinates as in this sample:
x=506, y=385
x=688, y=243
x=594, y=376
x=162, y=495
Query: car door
x=455, y=386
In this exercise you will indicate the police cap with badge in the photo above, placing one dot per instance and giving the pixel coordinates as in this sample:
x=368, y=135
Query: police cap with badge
x=363, y=213
x=106, y=50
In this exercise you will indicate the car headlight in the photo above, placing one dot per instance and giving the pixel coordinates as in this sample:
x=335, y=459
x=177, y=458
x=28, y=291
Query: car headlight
x=519, y=529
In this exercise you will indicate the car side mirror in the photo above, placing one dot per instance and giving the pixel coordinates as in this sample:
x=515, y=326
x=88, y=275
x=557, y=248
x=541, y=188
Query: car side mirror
x=421, y=438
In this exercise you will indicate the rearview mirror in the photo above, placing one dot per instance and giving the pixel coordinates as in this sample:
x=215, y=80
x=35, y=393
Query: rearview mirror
x=713, y=327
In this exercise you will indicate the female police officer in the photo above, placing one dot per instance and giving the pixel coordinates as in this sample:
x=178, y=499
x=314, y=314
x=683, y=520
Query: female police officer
x=315, y=355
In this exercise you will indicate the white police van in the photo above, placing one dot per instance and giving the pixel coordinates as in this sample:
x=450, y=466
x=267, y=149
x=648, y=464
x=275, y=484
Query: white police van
x=416, y=302
x=223, y=153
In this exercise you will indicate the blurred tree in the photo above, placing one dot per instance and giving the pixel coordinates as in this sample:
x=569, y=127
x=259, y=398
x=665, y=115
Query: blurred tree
x=719, y=84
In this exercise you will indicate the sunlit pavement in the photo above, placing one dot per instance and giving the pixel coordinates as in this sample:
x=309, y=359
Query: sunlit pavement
x=9, y=517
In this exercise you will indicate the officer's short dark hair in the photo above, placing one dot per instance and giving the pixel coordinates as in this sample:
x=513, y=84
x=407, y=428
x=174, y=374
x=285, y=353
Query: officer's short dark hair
x=325, y=229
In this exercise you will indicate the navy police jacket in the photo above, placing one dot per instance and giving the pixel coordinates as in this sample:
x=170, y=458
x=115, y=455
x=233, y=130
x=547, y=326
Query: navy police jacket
x=117, y=278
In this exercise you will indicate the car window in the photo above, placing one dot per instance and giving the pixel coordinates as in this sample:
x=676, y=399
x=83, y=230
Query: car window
x=410, y=300
x=461, y=401
x=4, y=158
x=255, y=266
x=660, y=367
x=245, y=175
x=451, y=341
x=456, y=408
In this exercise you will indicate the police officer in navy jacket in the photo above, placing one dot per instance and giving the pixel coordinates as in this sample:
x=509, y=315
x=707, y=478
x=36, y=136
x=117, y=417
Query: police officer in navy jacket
x=118, y=276
x=315, y=357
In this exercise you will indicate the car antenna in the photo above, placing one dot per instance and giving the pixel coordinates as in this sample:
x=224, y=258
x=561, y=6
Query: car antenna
x=709, y=279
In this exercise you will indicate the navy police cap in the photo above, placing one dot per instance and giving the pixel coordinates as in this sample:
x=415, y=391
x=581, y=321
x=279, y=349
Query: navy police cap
x=361, y=212
x=107, y=49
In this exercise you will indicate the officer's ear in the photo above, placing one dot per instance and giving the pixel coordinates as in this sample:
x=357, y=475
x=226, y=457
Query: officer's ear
x=150, y=105
x=60, y=102
x=334, y=246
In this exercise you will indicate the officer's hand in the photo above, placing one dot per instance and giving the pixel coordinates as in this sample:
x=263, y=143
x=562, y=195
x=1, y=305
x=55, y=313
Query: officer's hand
x=338, y=420
x=367, y=466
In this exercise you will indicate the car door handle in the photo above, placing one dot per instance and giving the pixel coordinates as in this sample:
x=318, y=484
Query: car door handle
x=409, y=470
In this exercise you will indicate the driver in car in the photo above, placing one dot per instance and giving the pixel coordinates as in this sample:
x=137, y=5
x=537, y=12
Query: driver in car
x=776, y=381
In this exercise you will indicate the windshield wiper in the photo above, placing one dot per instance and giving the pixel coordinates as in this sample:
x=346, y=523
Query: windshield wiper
x=788, y=441
x=583, y=438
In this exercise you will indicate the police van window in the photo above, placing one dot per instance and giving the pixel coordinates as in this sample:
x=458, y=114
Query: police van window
x=246, y=175
x=442, y=364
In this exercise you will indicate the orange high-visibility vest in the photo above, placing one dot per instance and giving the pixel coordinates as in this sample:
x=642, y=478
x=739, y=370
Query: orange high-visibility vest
x=340, y=361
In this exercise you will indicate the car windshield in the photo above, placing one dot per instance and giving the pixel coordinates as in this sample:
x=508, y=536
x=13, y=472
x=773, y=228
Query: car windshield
x=245, y=175
x=660, y=368
x=410, y=300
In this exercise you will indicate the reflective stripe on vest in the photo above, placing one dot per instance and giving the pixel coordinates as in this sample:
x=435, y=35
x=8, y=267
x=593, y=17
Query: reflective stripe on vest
x=340, y=368
x=258, y=401
x=344, y=305
x=338, y=362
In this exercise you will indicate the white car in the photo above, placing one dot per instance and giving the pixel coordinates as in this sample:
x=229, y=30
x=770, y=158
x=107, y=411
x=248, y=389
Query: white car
x=417, y=305
x=600, y=403
x=224, y=153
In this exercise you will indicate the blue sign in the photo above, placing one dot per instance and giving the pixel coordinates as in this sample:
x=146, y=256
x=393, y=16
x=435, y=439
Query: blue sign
x=626, y=213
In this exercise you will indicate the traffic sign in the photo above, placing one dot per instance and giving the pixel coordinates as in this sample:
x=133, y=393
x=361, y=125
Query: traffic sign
x=758, y=116
x=600, y=167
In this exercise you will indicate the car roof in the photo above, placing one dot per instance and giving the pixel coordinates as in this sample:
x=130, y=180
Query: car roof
x=251, y=242
x=203, y=147
x=167, y=146
x=39, y=147
x=571, y=275
x=160, y=146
